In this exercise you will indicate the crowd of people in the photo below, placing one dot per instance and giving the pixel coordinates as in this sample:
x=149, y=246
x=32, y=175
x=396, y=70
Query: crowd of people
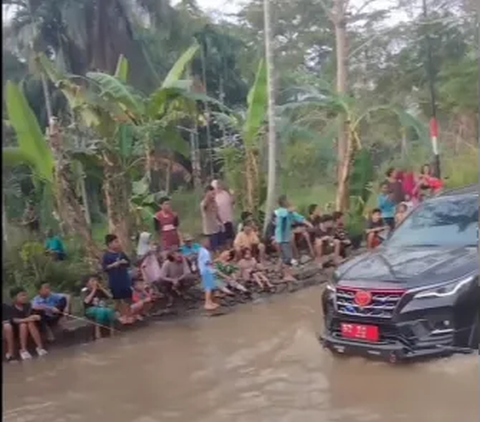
x=226, y=260
x=399, y=193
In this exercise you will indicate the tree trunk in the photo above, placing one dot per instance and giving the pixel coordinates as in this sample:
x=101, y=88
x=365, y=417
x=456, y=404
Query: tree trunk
x=69, y=209
x=342, y=201
x=341, y=47
x=207, y=112
x=272, y=141
x=117, y=193
x=4, y=220
x=195, y=157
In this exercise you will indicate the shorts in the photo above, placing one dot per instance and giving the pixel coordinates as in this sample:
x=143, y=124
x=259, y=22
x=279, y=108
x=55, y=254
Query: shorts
x=228, y=234
x=286, y=252
x=216, y=241
x=208, y=282
x=122, y=293
x=390, y=222
x=102, y=316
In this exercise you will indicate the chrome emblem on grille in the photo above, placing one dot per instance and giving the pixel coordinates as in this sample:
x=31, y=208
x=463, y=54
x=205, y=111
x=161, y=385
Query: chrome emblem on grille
x=363, y=298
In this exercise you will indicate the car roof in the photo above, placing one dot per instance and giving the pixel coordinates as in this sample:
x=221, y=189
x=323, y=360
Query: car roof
x=466, y=190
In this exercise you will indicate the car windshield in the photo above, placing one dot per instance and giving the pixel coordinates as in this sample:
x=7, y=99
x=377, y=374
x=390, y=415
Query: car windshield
x=450, y=221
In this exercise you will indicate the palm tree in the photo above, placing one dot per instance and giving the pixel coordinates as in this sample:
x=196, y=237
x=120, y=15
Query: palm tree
x=272, y=142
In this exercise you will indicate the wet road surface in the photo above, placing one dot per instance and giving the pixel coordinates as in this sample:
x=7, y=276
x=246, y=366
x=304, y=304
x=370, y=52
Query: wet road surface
x=261, y=363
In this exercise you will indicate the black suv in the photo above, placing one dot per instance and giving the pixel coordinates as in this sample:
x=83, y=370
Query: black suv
x=416, y=295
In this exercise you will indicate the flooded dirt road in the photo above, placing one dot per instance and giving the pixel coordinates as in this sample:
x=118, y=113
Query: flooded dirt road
x=261, y=363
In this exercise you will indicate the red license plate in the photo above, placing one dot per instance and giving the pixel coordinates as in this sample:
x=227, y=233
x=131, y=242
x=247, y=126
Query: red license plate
x=361, y=332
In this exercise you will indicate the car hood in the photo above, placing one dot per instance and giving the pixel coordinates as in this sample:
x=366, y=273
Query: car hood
x=410, y=267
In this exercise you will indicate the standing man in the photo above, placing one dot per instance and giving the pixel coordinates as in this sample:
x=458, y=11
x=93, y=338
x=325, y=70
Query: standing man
x=211, y=222
x=225, y=202
x=166, y=224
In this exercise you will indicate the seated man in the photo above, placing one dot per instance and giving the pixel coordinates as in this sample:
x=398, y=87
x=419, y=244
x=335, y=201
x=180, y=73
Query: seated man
x=340, y=233
x=325, y=242
x=54, y=247
x=25, y=323
x=7, y=332
x=248, y=239
x=190, y=251
x=375, y=228
x=51, y=307
x=175, y=275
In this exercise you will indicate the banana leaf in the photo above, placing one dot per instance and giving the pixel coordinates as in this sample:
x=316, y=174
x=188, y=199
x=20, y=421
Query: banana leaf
x=121, y=72
x=178, y=69
x=30, y=138
x=257, y=106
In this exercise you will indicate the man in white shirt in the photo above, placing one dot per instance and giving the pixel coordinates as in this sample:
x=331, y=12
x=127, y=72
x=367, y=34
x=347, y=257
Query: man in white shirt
x=225, y=202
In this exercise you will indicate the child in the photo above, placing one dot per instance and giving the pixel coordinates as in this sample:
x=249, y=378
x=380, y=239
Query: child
x=245, y=217
x=340, y=233
x=54, y=246
x=207, y=273
x=249, y=239
x=227, y=270
x=115, y=264
x=250, y=270
x=386, y=204
x=401, y=214
x=375, y=226
x=166, y=222
x=94, y=302
x=190, y=251
x=285, y=217
x=325, y=241
x=25, y=323
x=143, y=299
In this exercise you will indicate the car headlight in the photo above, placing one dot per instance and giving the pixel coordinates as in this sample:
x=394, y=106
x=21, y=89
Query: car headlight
x=445, y=290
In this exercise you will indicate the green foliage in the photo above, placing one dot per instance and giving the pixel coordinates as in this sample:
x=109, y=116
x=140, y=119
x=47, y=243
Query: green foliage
x=257, y=106
x=25, y=263
x=32, y=146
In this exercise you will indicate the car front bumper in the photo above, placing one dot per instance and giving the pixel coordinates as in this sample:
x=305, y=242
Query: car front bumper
x=392, y=351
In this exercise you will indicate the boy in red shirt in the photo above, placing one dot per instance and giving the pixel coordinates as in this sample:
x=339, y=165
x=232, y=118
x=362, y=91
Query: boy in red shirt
x=166, y=224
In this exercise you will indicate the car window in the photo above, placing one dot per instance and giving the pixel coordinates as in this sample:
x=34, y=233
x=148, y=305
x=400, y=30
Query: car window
x=445, y=221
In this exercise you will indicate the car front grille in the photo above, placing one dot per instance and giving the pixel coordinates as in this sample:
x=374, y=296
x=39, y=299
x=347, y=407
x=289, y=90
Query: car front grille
x=382, y=305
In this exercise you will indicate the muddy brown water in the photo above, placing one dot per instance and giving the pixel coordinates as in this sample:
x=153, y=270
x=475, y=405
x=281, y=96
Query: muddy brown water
x=261, y=363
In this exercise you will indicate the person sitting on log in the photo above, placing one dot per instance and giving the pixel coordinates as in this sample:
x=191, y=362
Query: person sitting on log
x=248, y=239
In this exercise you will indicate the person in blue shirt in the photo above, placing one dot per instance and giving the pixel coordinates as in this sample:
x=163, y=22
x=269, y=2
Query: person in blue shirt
x=51, y=307
x=285, y=218
x=190, y=251
x=207, y=273
x=54, y=246
x=116, y=264
x=387, y=205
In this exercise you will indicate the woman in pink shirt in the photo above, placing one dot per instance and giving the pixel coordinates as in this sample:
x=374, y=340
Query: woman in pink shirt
x=225, y=202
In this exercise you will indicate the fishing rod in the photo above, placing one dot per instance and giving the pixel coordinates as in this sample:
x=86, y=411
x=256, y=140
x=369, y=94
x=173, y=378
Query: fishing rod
x=89, y=321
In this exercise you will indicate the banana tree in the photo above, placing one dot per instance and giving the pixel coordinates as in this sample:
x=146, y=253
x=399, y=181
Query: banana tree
x=48, y=165
x=124, y=119
x=319, y=107
x=242, y=165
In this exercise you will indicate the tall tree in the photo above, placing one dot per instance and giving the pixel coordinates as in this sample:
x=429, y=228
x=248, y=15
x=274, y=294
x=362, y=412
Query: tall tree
x=272, y=140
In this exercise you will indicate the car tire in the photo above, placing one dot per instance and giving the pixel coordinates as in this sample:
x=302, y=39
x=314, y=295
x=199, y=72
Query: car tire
x=474, y=338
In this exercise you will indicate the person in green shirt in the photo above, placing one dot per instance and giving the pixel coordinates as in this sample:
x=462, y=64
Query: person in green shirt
x=54, y=246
